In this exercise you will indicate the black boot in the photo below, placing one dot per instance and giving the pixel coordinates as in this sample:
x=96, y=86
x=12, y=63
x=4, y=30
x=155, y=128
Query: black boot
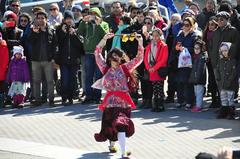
x=155, y=105
x=161, y=107
x=223, y=112
x=231, y=113
x=2, y=100
x=215, y=101
x=148, y=104
x=144, y=101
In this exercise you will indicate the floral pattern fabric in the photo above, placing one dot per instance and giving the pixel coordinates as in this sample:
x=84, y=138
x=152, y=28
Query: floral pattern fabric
x=115, y=79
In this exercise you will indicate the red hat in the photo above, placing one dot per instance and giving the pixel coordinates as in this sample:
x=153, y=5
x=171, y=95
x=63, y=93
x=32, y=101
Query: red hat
x=12, y=15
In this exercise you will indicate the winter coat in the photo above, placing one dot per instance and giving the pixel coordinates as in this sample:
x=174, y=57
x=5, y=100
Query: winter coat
x=92, y=34
x=203, y=18
x=18, y=70
x=198, y=73
x=161, y=60
x=34, y=38
x=228, y=34
x=226, y=74
x=70, y=47
x=4, y=60
x=13, y=37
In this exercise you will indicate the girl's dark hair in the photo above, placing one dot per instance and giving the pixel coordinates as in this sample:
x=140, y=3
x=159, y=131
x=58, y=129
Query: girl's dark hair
x=202, y=44
x=26, y=15
x=126, y=20
x=117, y=51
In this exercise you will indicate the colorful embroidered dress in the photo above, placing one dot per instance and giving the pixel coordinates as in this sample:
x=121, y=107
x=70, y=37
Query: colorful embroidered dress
x=114, y=81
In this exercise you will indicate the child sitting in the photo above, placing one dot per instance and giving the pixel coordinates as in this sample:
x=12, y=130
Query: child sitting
x=18, y=76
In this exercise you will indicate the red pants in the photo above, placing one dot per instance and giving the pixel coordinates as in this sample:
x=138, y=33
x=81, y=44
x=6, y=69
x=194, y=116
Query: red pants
x=18, y=99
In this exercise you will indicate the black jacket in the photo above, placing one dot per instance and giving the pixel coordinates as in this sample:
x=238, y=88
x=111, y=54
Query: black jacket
x=226, y=74
x=34, y=38
x=228, y=34
x=70, y=47
x=198, y=73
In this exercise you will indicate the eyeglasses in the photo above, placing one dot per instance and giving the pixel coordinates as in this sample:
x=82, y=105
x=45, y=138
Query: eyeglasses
x=52, y=9
x=186, y=25
x=24, y=20
x=149, y=23
x=15, y=5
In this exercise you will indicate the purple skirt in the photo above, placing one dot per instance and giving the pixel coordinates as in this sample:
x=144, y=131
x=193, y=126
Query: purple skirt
x=115, y=120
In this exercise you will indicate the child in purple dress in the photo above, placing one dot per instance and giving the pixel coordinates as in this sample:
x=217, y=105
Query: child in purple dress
x=18, y=76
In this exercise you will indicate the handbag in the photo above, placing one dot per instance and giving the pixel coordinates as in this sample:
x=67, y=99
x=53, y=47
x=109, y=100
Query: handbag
x=162, y=71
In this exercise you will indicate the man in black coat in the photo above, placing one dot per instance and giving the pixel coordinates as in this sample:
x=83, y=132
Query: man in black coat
x=42, y=39
x=69, y=53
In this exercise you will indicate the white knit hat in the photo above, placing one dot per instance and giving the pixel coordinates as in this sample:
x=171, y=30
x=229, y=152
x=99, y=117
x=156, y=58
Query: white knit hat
x=18, y=49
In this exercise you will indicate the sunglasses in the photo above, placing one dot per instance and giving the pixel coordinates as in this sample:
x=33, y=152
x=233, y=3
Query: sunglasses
x=186, y=25
x=149, y=23
x=52, y=9
x=15, y=5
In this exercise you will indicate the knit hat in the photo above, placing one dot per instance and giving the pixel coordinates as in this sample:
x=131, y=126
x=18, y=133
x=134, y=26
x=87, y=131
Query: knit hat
x=42, y=13
x=223, y=14
x=78, y=7
x=189, y=12
x=10, y=14
x=97, y=11
x=195, y=4
x=37, y=9
x=18, y=49
x=68, y=14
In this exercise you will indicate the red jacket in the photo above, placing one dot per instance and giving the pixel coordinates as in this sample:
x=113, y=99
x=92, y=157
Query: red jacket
x=4, y=60
x=161, y=60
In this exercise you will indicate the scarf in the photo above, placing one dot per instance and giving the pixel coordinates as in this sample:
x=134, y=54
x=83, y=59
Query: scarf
x=117, y=39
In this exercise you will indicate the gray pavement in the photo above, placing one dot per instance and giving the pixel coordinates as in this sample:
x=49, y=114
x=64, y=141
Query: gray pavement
x=67, y=133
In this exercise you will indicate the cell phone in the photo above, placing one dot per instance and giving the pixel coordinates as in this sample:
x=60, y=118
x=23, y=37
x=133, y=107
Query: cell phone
x=9, y=24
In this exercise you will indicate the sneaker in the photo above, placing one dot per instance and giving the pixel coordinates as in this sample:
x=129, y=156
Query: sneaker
x=112, y=149
x=196, y=109
x=188, y=106
x=51, y=103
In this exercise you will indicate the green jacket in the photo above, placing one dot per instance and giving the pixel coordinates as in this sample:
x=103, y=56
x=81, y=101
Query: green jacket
x=92, y=34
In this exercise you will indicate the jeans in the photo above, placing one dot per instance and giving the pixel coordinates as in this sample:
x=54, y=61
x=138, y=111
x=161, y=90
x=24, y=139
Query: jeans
x=227, y=97
x=47, y=68
x=83, y=73
x=199, y=91
x=68, y=80
x=92, y=73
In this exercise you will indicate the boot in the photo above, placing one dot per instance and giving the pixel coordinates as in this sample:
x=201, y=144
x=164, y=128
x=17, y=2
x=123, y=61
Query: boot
x=143, y=103
x=223, y=112
x=2, y=100
x=215, y=101
x=231, y=113
x=155, y=106
x=148, y=104
x=161, y=107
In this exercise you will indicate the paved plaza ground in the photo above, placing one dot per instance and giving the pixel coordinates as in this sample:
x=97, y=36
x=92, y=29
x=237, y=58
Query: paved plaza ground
x=67, y=133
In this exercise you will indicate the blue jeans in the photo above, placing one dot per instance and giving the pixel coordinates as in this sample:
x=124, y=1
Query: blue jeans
x=68, y=80
x=199, y=91
x=92, y=73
